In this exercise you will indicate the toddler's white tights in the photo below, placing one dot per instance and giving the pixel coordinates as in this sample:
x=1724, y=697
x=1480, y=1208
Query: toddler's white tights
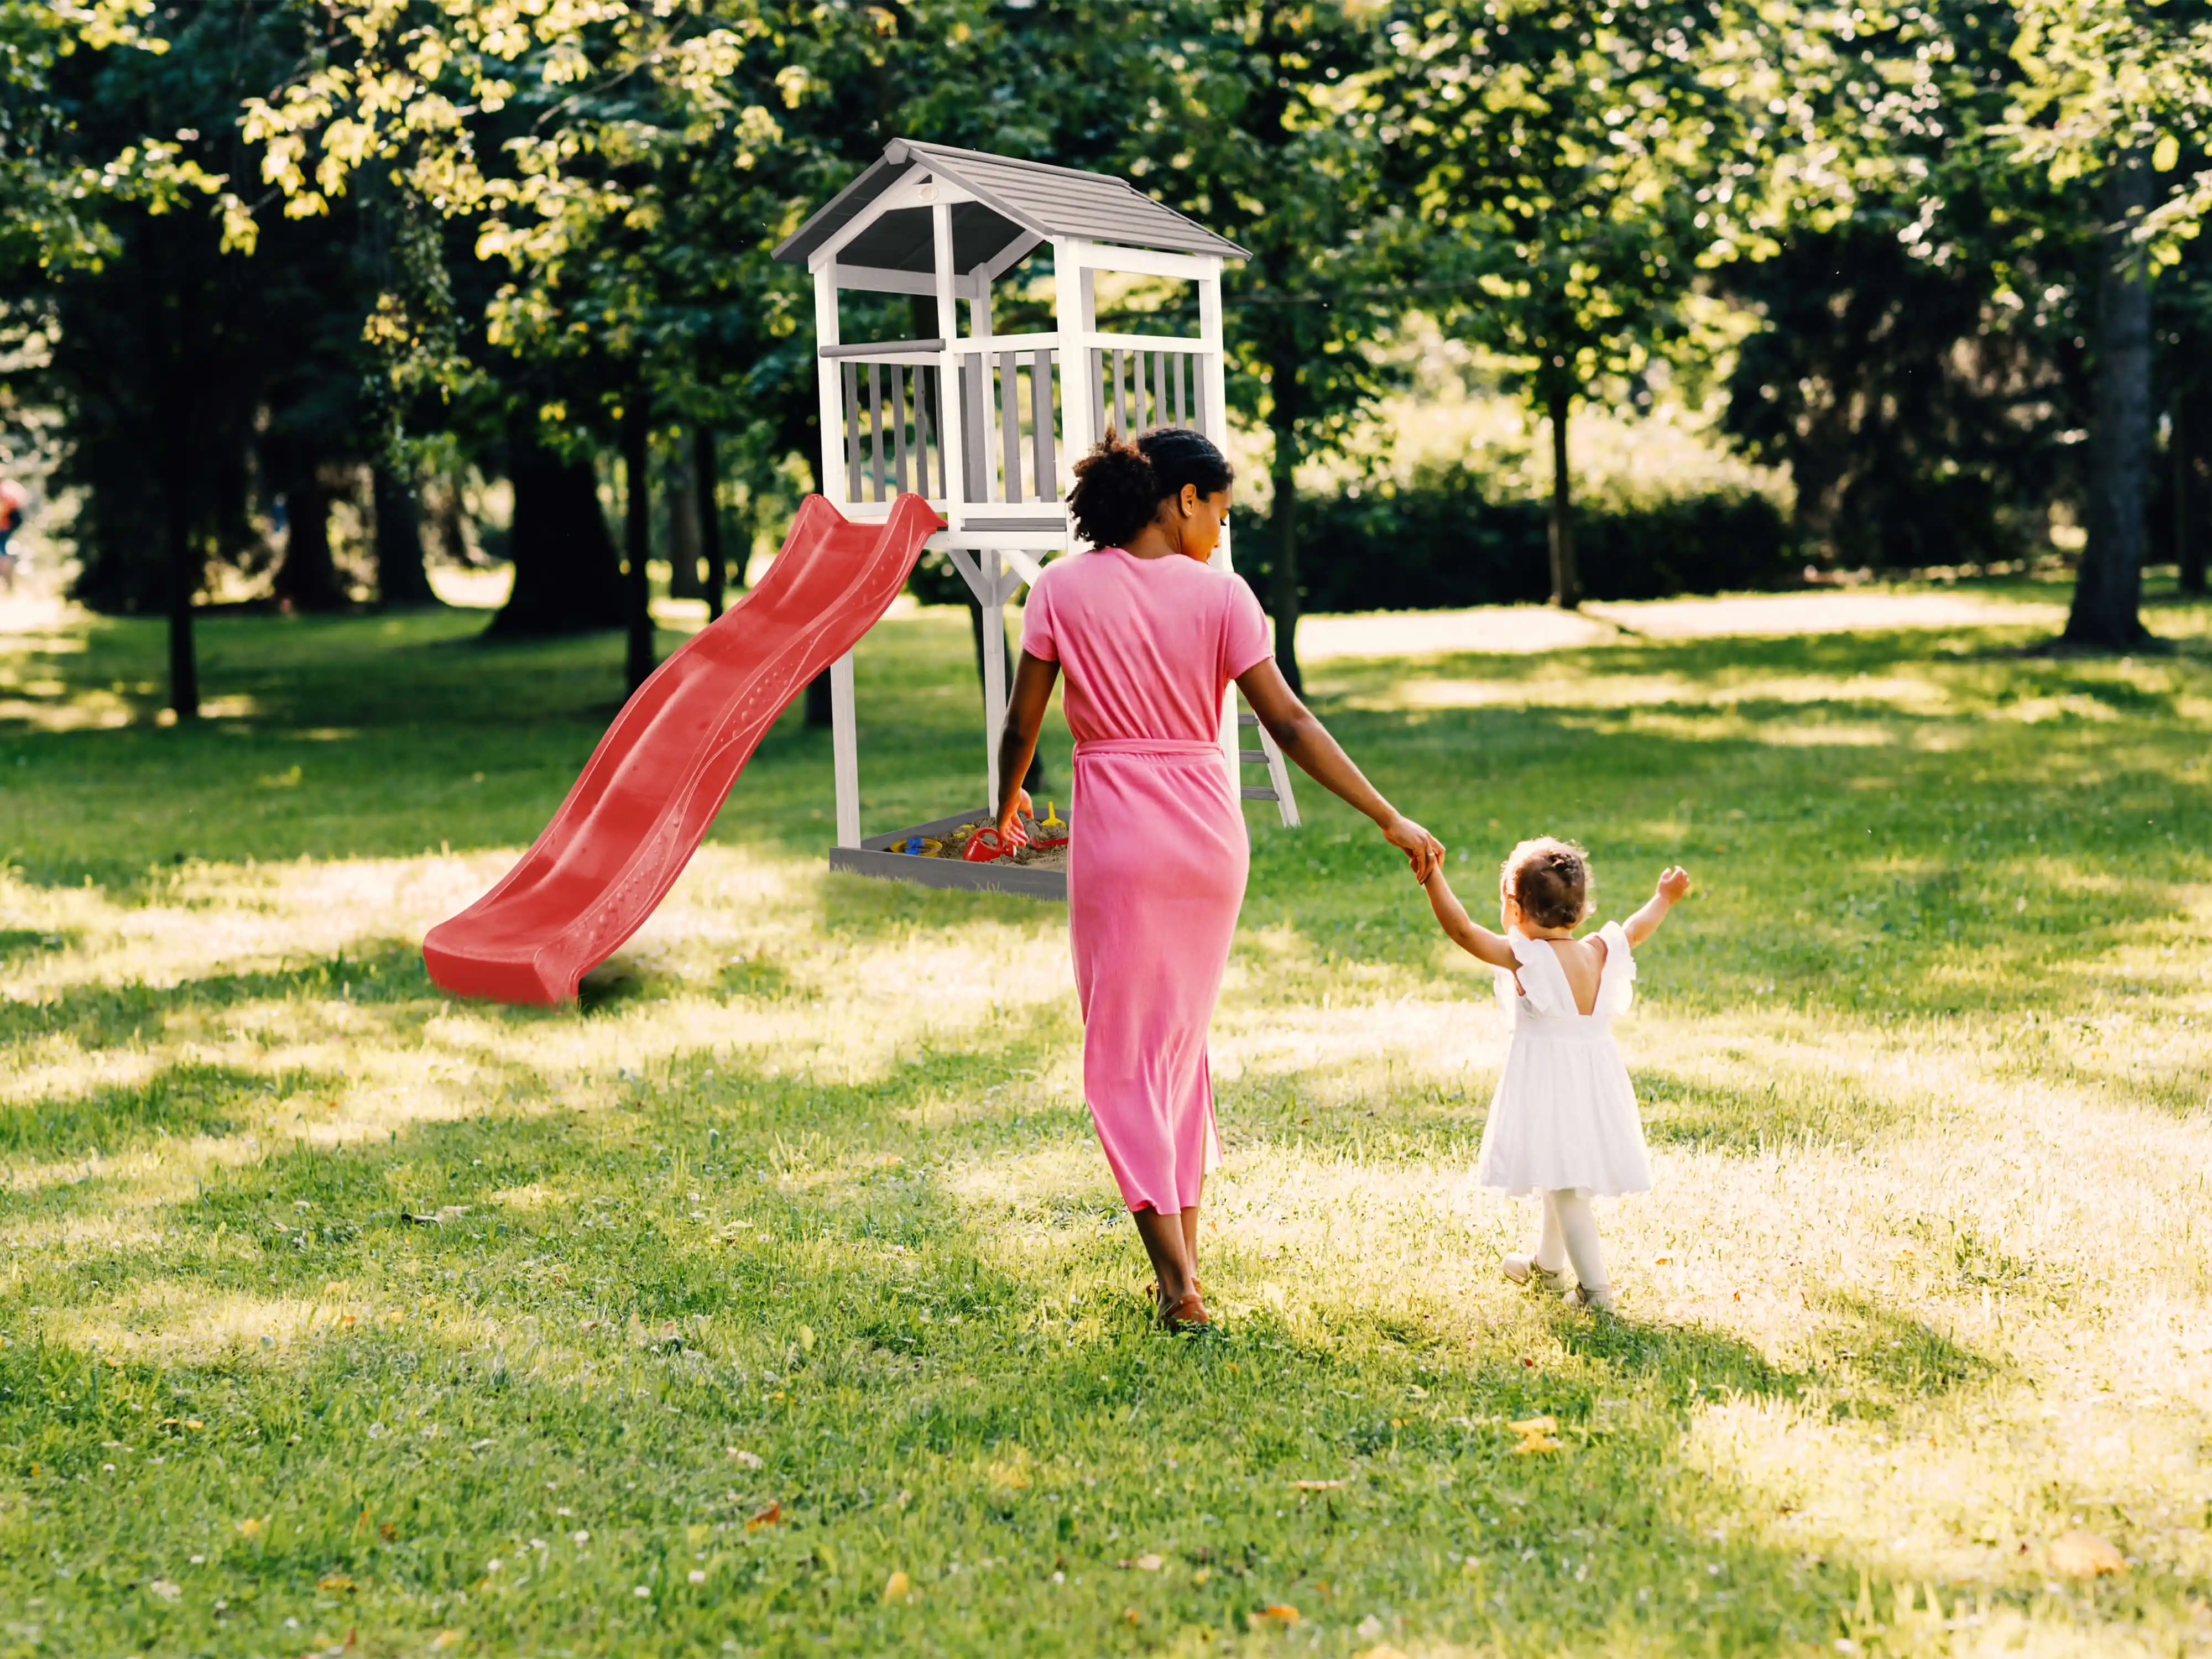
x=1569, y=1234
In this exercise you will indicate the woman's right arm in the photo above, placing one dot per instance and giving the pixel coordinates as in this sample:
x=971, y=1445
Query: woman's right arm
x=1301, y=736
x=1018, y=738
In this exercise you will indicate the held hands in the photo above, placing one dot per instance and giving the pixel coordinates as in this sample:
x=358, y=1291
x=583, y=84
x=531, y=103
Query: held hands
x=1674, y=884
x=1423, y=851
x=1009, y=824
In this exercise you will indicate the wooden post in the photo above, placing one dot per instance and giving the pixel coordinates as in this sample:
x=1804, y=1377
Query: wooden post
x=845, y=750
x=1069, y=281
x=994, y=670
x=831, y=476
x=953, y=435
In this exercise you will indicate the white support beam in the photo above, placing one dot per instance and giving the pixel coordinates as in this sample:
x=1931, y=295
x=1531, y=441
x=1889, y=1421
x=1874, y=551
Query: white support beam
x=1146, y=262
x=845, y=750
x=875, y=279
x=986, y=412
x=1071, y=284
x=832, y=390
x=949, y=434
x=995, y=673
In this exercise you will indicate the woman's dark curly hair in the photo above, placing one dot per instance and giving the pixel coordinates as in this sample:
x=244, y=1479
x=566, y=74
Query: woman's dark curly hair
x=1551, y=878
x=1120, y=485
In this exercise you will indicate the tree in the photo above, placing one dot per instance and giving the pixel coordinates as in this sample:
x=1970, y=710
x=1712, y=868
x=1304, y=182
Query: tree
x=1578, y=165
x=1268, y=131
x=2109, y=95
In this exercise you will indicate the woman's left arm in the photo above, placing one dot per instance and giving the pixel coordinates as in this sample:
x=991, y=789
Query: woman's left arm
x=1301, y=736
x=1034, y=678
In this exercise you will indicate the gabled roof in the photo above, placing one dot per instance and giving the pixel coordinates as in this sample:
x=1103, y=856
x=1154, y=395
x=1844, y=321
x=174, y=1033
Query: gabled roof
x=1014, y=200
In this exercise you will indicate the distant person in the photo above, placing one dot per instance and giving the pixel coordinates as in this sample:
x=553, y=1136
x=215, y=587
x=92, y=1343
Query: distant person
x=1564, y=1125
x=1150, y=639
x=14, y=499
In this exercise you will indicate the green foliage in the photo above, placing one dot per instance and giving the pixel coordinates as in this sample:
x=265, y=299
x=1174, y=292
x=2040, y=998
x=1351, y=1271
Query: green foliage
x=1447, y=537
x=1577, y=168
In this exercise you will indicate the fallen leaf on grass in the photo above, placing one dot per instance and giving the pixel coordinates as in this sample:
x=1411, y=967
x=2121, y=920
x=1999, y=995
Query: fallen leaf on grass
x=334, y=1580
x=167, y=1589
x=1128, y=1615
x=747, y=1459
x=251, y=1527
x=897, y=1586
x=1281, y=1614
x=766, y=1517
x=447, y=1639
x=2084, y=1555
x=1535, y=1443
x=1316, y=1486
x=1145, y=1563
x=1528, y=1426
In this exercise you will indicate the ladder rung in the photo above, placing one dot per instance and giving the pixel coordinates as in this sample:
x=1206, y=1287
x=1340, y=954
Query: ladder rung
x=1253, y=757
x=1248, y=719
x=1262, y=793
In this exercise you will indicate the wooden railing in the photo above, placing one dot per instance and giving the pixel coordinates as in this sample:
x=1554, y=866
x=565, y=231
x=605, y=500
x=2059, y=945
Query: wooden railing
x=893, y=429
x=1010, y=433
x=1013, y=426
x=1162, y=391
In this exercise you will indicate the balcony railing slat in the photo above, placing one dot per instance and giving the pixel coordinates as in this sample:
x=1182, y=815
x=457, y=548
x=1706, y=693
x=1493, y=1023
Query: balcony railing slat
x=1010, y=425
x=1043, y=458
x=898, y=424
x=876, y=430
x=851, y=432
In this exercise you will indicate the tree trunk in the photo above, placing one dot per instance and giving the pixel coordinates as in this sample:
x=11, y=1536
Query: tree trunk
x=706, y=475
x=401, y=579
x=185, y=570
x=566, y=577
x=637, y=512
x=185, y=567
x=1566, y=575
x=2108, y=592
x=680, y=493
x=307, y=580
x=2188, y=502
x=1283, y=516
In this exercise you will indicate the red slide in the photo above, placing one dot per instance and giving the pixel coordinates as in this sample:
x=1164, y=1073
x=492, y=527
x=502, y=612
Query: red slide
x=658, y=776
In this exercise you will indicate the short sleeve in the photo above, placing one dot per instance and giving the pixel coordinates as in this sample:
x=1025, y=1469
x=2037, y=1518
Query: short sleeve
x=1617, y=986
x=1244, y=631
x=1037, y=620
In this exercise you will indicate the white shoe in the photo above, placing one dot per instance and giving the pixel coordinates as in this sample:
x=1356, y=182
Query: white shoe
x=1583, y=1297
x=1521, y=1268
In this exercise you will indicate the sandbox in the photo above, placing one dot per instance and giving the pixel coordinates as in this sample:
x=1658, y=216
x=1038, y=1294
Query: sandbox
x=1034, y=872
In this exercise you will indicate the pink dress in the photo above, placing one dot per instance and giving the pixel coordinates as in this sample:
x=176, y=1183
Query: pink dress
x=1157, y=858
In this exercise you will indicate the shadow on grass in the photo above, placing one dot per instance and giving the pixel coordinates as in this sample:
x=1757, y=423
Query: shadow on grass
x=736, y=1295
x=180, y=1100
x=101, y=1016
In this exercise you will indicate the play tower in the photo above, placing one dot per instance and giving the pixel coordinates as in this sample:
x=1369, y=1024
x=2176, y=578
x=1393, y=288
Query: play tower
x=985, y=425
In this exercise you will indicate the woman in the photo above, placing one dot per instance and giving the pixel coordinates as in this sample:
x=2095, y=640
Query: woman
x=1150, y=638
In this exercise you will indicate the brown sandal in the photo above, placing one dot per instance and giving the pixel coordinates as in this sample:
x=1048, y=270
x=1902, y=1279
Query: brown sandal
x=1188, y=1314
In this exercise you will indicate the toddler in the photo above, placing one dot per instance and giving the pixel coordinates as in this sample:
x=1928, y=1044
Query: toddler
x=1563, y=1123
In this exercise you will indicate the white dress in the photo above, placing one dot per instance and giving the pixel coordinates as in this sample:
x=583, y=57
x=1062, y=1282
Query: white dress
x=1564, y=1115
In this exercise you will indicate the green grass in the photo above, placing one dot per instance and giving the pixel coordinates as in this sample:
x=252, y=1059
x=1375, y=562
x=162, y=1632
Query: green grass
x=337, y=1311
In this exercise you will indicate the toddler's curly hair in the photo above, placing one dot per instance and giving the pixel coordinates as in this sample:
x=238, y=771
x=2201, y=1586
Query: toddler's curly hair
x=1551, y=880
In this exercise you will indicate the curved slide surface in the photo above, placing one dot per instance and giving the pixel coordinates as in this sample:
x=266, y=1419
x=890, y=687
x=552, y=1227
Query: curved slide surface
x=655, y=781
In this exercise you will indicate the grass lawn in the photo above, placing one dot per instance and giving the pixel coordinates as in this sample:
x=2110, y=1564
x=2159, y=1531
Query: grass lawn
x=778, y=1300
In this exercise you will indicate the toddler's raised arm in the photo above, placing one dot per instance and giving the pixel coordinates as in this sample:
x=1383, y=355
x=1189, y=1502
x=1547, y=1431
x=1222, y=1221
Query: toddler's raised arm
x=1471, y=936
x=1674, y=882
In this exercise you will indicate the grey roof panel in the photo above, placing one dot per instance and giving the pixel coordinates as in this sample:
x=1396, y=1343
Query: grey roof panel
x=1013, y=197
